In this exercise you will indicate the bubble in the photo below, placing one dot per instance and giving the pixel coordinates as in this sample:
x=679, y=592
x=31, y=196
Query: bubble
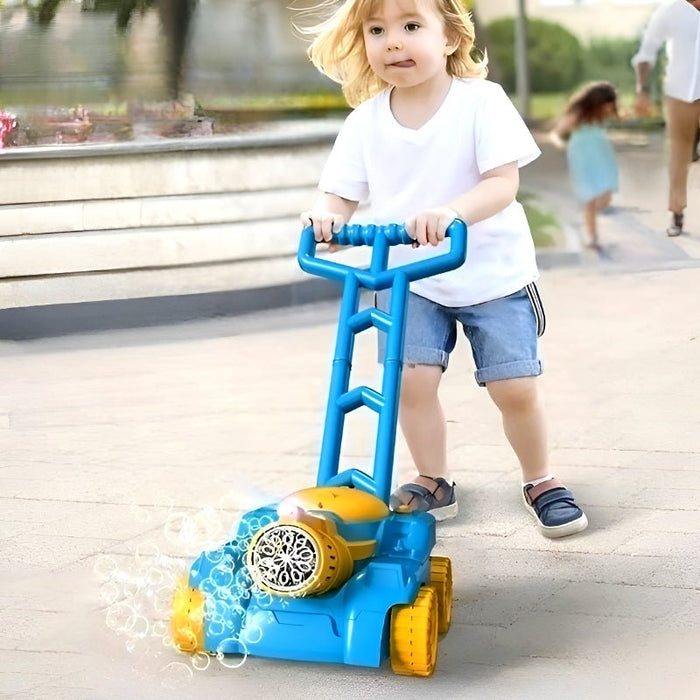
x=159, y=629
x=157, y=577
x=105, y=567
x=201, y=661
x=140, y=626
x=222, y=576
x=215, y=556
x=120, y=617
x=131, y=587
x=253, y=634
x=216, y=627
x=176, y=673
x=240, y=658
x=263, y=598
x=163, y=600
x=138, y=592
x=175, y=525
x=109, y=592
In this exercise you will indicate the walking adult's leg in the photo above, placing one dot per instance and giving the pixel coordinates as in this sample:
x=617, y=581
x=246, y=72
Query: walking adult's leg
x=682, y=120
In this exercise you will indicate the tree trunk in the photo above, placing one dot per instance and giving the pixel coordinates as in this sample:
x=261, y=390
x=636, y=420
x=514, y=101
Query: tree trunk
x=175, y=16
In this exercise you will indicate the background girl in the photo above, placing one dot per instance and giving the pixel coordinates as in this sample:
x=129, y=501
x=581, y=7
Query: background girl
x=590, y=156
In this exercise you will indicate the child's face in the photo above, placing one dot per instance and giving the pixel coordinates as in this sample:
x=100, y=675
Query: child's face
x=405, y=42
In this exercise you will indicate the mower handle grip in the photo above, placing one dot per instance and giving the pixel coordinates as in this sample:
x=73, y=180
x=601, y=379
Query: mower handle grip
x=379, y=236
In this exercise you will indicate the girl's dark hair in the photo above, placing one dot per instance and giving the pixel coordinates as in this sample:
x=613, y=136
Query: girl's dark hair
x=587, y=103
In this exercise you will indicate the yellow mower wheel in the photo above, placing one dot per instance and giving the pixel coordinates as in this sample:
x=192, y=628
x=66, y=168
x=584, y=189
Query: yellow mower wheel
x=187, y=621
x=413, y=636
x=441, y=581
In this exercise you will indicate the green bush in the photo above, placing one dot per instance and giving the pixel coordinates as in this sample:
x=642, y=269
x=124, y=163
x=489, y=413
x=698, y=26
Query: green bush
x=610, y=59
x=555, y=55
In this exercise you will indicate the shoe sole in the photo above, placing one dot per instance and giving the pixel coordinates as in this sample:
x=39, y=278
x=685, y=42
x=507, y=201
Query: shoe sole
x=445, y=512
x=555, y=531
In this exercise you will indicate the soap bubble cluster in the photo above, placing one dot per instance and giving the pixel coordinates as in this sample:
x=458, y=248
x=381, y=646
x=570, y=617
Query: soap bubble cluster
x=136, y=589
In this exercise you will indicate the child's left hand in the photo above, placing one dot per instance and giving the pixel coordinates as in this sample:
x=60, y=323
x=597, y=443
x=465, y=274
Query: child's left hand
x=429, y=226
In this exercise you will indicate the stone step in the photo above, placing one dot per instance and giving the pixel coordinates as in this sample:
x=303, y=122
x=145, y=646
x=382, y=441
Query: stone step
x=114, y=171
x=273, y=270
x=144, y=212
x=129, y=249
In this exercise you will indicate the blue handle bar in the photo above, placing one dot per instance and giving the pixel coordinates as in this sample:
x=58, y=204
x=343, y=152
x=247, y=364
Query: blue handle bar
x=380, y=238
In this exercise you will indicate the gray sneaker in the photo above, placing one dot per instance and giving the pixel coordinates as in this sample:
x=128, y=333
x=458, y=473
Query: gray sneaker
x=441, y=502
x=676, y=227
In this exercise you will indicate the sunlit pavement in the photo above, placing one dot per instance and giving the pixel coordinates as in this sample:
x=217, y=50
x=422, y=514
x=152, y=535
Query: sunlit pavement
x=125, y=453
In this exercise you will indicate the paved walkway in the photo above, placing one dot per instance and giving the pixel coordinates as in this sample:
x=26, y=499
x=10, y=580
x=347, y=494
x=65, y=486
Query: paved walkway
x=125, y=453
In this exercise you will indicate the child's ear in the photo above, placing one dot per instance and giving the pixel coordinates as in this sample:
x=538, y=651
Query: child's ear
x=451, y=43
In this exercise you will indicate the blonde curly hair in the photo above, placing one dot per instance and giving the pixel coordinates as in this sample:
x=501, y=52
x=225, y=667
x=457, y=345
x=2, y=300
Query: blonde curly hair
x=338, y=47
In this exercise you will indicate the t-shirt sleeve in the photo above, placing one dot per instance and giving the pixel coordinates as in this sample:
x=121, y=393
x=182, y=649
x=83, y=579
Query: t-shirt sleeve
x=501, y=134
x=344, y=173
x=653, y=38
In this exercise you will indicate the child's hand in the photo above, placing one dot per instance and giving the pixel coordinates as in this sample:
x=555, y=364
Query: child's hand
x=429, y=226
x=556, y=140
x=325, y=224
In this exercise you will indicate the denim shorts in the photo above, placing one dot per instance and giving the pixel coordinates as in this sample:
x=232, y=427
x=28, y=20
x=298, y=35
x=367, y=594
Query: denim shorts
x=502, y=333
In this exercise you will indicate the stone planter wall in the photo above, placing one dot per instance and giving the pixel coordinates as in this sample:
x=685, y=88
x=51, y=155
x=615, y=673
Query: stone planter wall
x=156, y=218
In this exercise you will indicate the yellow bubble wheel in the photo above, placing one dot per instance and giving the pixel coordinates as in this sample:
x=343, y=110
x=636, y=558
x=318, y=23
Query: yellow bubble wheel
x=441, y=581
x=187, y=621
x=413, y=637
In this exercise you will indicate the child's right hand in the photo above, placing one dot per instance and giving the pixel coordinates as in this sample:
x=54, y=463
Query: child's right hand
x=325, y=224
x=556, y=140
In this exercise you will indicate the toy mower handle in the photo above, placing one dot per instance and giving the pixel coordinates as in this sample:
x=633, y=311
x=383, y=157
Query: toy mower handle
x=380, y=238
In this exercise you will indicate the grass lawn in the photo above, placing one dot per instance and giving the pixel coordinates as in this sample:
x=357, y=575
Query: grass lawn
x=546, y=228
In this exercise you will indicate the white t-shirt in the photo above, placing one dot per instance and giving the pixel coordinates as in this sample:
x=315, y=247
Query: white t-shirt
x=677, y=24
x=403, y=171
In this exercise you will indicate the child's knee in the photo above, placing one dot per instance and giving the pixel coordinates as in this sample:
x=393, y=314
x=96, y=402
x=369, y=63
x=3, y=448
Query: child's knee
x=518, y=394
x=419, y=383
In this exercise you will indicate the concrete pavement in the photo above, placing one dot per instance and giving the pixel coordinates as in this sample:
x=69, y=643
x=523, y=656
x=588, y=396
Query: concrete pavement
x=125, y=453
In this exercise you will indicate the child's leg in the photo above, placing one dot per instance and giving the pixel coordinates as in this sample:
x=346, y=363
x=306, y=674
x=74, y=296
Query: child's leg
x=603, y=201
x=503, y=335
x=423, y=422
x=423, y=426
x=523, y=422
x=590, y=223
x=547, y=499
x=429, y=338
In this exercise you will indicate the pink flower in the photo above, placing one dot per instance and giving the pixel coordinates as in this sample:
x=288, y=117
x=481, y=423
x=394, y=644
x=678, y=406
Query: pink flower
x=7, y=124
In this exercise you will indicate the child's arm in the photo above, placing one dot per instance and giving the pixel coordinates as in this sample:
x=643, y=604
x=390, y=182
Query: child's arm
x=563, y=128
x=329, y=214
x=495, y=191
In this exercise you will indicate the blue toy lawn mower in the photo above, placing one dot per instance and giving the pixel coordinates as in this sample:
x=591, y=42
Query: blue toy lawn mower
x=330, y=573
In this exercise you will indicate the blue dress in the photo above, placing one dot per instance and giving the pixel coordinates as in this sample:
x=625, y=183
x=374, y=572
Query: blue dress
x=592, y=163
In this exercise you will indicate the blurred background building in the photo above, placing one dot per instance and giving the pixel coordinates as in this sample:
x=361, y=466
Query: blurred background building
x=67, y=51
